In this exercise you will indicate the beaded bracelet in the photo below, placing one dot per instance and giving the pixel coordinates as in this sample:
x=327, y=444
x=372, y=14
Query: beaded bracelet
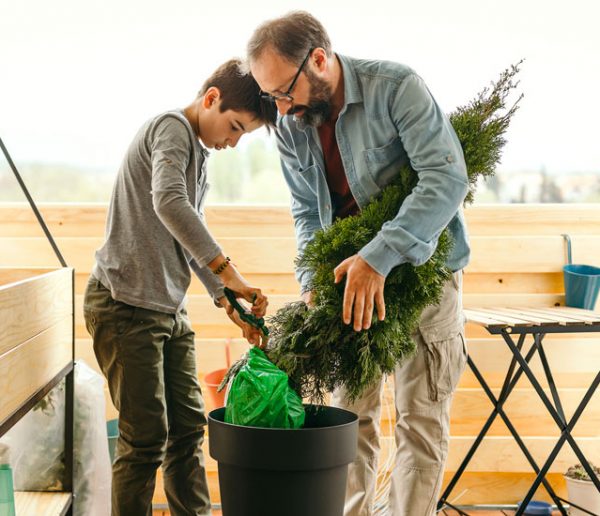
x=223, y=265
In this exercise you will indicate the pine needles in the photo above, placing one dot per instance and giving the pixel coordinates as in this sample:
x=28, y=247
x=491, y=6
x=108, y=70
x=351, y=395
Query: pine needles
x=313, y=345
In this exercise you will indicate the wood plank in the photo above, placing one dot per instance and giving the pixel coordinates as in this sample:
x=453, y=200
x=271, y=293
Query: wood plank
x=82, y=220
x=474, y=331
x=476, y=283
x=31, y=305
x=475, y=301
x=503, y=454
x=29, y=366
x=494, y=318
x=472, y=407
x=513, y=282
x=529, y=253
x=13, y=275
x=269, y=283
x=564, y=354
x=30, y=503
x=16, y=219
x=580, y=314
x=560, y=316
x=496, y=379
x=251, y=255
x=499, y=488
x=520, y=254
x=533, y=320
x=533, y=219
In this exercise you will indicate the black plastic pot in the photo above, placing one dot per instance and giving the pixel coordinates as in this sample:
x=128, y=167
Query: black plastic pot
x=280, y=472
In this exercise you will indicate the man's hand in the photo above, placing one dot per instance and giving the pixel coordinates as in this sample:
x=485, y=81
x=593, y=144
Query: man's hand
x=308, y=298
x=251, y=334
x=364, y=290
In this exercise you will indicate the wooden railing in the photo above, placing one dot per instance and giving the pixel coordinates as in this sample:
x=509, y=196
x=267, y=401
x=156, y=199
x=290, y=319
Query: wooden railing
x=517, y=259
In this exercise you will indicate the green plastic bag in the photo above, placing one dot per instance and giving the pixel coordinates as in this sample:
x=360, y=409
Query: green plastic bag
x=261, y=396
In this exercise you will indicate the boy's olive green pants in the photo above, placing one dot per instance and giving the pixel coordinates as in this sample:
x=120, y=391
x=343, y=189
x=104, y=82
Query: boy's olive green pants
x=149, y=361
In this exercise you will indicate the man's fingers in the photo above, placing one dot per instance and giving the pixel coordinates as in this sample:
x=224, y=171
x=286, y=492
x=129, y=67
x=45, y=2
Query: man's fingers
x=359, y=304
x=368, y=313
x=380, y=304
x=348, y=302
x=339, y=272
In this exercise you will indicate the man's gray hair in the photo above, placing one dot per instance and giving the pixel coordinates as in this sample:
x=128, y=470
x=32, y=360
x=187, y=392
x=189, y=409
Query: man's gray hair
x=291, y=36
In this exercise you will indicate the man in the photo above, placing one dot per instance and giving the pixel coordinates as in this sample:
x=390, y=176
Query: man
x=134, y=302
x=346, y=128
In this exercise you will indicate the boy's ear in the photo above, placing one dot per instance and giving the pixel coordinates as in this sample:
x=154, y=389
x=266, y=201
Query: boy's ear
x=211, y=97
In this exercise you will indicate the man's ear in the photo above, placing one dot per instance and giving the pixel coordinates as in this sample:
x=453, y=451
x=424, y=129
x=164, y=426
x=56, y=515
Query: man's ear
x=211, y=97
x=319, y=57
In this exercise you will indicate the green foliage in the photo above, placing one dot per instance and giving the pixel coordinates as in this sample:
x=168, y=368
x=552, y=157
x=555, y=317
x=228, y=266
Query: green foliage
x=313, y=345
x=480, y=127
x=578, y=473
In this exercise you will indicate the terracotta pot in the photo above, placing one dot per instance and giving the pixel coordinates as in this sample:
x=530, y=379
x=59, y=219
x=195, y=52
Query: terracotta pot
x=212, y=381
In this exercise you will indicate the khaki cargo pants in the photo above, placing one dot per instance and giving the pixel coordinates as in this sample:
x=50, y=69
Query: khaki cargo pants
x=423, y=390
x=149, y=361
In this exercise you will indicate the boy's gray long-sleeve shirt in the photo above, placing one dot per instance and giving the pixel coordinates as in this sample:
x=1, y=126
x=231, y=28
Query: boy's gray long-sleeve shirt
x=155, y=229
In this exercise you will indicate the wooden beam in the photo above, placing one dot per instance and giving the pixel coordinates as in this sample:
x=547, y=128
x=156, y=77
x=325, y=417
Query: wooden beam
x=33, y=363
x=32, y=305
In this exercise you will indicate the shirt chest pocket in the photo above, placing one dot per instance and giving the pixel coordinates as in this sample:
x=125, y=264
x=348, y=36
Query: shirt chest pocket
x=384, y=163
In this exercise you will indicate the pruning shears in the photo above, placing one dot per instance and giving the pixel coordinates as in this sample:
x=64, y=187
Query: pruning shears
x=248, y=317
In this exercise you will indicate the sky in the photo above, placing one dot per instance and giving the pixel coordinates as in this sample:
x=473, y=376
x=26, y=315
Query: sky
x=79, y=77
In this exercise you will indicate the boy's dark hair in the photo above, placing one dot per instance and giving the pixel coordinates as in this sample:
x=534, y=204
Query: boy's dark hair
x=291, y=35
x=240, y=92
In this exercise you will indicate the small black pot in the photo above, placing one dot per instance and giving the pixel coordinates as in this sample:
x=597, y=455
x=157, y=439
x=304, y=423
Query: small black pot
x=277, y=472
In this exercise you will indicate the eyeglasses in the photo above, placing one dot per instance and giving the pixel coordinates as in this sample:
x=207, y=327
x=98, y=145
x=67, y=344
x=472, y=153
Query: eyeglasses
x=286, y=96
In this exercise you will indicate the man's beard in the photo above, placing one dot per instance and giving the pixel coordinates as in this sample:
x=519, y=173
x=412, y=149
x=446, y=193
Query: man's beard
x=318, y=109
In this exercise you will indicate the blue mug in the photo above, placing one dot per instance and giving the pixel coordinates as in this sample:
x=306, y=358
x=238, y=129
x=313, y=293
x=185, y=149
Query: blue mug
x=582, y=282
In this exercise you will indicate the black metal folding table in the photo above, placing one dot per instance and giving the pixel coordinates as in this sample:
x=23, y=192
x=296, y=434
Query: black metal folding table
x=514, y=325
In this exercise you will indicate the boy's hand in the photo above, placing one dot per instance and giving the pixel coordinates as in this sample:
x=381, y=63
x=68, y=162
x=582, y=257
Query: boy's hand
x=233, y=280
x=251, y=334
x=255, y=296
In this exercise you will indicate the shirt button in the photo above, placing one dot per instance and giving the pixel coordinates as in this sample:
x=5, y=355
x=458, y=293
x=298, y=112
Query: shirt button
x=327, y=207
x=449, y=159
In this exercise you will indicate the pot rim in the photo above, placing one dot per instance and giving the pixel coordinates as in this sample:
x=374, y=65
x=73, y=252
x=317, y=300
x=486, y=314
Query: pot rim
x=579, y=480
x=306, y=405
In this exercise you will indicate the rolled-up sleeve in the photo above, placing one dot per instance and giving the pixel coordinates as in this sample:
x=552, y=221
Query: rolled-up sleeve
x=436, y=156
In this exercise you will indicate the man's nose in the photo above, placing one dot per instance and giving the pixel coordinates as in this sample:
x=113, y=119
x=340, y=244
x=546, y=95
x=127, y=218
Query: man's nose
x=283, y=106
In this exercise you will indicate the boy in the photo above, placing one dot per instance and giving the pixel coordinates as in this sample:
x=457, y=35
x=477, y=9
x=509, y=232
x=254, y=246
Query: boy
x=134, y=301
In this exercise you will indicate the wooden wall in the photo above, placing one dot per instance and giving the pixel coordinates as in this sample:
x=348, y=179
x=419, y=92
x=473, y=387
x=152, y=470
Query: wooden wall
x=517, y=259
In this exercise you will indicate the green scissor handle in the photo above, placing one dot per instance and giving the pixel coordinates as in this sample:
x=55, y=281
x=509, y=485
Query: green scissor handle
x=251, y=319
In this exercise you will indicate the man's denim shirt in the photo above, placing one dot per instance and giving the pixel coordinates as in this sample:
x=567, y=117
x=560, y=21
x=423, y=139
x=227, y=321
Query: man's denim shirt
x=389, y=119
